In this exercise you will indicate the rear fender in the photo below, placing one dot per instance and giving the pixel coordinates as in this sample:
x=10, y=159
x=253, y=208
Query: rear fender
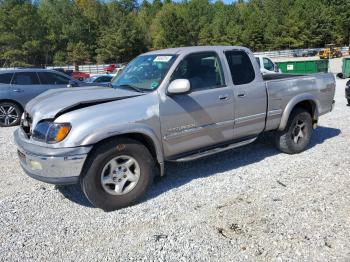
x=291, y=105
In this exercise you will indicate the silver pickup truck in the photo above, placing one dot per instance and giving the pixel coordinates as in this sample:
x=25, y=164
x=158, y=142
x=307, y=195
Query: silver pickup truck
x=175, y=104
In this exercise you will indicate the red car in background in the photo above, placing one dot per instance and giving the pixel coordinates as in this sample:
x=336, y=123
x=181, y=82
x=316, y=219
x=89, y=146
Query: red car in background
x=79, y=75
x=110, y=68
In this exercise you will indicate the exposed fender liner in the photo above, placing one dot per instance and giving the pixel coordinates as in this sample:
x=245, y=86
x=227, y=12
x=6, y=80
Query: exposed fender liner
x=291, y=104
x=132, y=128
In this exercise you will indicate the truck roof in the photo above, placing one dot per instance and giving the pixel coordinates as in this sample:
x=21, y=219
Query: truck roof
x=192, y=49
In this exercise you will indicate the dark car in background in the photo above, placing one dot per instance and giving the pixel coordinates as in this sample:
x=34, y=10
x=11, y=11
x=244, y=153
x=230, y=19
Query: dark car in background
x=305, y=53
x=19, y=86
x=103, y=80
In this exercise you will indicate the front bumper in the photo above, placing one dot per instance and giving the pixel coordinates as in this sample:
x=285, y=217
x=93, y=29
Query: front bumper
x=59, y=166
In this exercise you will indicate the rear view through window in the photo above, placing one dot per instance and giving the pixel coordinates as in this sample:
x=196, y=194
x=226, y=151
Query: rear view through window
x=25, y=78
x=242, y=70
x=48, y=78
x=6, y=78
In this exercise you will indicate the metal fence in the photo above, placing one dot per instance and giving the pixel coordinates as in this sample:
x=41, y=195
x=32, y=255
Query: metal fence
x=99, y=69
x=90, y=69
x=290, y=53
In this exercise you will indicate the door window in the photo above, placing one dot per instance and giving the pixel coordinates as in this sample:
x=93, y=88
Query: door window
x=48, y=78
x=6, y=78
x=25, y=78
x=203, y=70
x=268, y=64
x=242, y=70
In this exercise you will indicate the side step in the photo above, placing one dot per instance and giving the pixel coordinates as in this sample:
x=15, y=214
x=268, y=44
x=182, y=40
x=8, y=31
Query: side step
x=213, y=151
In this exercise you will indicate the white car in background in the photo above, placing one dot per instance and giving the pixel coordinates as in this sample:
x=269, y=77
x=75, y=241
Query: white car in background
x=266, y=65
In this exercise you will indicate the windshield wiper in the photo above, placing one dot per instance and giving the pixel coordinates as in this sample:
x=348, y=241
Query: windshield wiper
x=131, y=87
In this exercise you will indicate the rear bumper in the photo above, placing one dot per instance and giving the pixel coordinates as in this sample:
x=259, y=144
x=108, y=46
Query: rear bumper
x=55, y=166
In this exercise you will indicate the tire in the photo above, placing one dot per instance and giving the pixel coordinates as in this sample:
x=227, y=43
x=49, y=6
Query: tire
x=290, y=140
x=348, y=102
x=111, y=156
x=10, y=114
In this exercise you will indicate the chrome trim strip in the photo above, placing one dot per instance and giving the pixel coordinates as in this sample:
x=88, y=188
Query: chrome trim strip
x=274, y=112
x=250, y=118
x=198, y=129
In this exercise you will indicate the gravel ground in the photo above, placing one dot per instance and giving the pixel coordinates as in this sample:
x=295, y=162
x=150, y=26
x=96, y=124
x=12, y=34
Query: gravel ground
x=252, y=203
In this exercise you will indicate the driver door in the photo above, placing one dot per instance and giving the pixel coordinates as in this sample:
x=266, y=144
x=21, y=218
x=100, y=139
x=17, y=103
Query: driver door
x=205, y=116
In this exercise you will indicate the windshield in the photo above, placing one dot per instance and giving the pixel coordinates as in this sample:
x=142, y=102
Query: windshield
x=145, y=72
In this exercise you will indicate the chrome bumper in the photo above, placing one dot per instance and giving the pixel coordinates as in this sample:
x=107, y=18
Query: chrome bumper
x=55, y=166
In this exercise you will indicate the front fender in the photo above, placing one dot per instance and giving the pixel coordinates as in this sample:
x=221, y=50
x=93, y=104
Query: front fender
x=100, y=134
x=293, y=102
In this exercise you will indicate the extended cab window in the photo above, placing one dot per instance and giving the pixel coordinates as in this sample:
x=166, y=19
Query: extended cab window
x=25, y=78
x=48, y=78
x=242, y=70
x=203, y=70
x=6, y=78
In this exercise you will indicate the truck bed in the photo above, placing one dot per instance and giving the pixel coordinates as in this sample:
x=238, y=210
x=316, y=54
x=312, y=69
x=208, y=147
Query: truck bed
x=282, y=88
x=279, y=76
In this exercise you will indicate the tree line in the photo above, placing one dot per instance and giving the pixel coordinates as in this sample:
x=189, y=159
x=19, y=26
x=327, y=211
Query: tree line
x=58, y=32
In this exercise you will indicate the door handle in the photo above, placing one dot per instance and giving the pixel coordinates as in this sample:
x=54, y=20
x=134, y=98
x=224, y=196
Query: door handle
x=242, y=95
x=223, y=97
x=17, y=90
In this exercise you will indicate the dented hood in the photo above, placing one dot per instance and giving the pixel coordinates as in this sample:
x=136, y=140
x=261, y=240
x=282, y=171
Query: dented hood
x=54, y=102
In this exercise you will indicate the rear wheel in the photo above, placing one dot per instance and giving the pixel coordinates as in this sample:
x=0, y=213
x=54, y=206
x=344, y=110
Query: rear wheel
x=10, y=114
x=117, y=174
x=296, y=136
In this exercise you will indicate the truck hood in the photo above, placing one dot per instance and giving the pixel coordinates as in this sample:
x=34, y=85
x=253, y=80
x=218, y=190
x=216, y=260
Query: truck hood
x=55, y=102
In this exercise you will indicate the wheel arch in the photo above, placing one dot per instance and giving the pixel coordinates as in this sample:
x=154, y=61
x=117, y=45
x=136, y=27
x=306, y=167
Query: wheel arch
x=305, y=101
x=147, y=138
x=14, y=102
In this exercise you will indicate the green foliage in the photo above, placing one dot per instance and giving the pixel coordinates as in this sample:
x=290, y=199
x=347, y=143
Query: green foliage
x=169, y=28
x=78, y=31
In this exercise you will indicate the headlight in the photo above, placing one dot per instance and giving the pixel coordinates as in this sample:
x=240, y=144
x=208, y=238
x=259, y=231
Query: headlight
x=51, y=133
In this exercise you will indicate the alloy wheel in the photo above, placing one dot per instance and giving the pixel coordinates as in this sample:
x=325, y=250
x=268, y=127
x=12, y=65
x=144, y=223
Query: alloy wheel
x=8, y=114
x=120, y=175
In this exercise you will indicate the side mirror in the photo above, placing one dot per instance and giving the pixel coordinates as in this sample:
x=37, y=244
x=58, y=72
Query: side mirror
x=276, y=68
x=179, y=86
x=72, y=83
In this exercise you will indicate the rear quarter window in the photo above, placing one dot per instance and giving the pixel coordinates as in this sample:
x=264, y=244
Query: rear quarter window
x=242, y=70
x=5, y=78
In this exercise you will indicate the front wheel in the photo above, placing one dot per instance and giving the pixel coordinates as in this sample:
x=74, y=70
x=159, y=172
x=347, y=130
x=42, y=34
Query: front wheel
x=117, y=174
x=297, y=134
x=10, y=114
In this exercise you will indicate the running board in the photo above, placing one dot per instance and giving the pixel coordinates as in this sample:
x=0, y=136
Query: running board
x=213, y=151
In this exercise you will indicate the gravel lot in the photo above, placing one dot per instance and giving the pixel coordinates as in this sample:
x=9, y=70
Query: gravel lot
x=252, y=203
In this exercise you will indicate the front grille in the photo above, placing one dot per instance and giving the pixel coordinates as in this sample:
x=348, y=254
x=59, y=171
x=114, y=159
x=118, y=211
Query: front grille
x=26, y=124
